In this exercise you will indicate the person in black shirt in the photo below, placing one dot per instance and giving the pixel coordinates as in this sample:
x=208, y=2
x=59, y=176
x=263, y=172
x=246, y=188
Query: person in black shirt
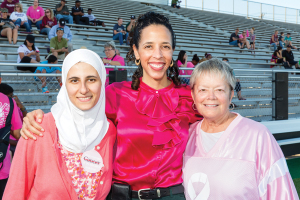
x=234, y=38
x=120, y=32
x=281, y=39
x=288, y=57
x=8, y=28
x=78, y=13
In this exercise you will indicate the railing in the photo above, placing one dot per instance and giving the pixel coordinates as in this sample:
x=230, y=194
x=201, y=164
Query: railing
x=245, y=8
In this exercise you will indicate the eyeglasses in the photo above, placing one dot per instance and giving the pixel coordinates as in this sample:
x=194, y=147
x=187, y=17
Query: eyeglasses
x=107, y=50
x=17, y=6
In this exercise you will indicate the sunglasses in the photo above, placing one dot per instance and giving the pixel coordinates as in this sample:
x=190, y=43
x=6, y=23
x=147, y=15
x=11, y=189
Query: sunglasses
x=47, y=12
x=107, y=50
x=17, y=6
x=59, y=29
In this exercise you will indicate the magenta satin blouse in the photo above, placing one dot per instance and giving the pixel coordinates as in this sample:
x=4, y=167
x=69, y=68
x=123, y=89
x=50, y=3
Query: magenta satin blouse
x=152, y=132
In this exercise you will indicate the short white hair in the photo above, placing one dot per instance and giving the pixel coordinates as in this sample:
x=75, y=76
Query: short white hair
x=214, y=66
x=110, y=44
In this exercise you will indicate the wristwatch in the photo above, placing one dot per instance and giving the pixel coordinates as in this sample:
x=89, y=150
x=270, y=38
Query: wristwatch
x=109, y=61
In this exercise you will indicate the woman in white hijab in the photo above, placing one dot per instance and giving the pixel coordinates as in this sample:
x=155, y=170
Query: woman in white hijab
x=74, y=158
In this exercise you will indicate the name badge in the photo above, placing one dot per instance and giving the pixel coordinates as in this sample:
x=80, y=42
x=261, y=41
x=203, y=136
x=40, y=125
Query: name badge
x=92, y=161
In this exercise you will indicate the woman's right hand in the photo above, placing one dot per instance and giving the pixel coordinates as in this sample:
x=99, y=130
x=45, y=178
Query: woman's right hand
x=31, y=124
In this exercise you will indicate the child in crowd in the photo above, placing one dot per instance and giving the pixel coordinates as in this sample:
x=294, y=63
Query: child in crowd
x=281, y=39
x=288, y=41
x=252, y=38
x=51, y=60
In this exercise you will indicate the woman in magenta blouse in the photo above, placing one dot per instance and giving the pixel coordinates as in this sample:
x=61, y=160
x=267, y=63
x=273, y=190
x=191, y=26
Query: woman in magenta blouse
x=152, y=115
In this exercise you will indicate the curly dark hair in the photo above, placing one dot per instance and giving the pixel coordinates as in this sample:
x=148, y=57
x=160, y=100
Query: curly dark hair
x=145, y=20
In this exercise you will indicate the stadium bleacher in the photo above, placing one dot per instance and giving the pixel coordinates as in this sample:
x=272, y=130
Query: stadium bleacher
x=196, y=32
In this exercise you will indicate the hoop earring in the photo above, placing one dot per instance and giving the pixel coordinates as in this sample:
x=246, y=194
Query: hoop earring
x=194, y=107
x=232, y=106
x=138, y=62
x=171, y=65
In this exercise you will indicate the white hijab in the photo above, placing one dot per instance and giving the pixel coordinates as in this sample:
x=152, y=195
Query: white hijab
x=78, y=130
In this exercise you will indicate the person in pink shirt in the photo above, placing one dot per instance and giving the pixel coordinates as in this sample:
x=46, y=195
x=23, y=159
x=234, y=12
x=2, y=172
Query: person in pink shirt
x=182, y=61
x=111, y=58
x=243, y=40
x=35, y=14
x=152, y=114
x=74, y=158
x=16, y=123
x=229, y=156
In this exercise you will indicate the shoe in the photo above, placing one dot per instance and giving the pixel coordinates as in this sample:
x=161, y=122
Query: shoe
x=45, y=90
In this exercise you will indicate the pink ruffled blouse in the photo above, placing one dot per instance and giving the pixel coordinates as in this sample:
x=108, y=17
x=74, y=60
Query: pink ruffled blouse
x=152, y=132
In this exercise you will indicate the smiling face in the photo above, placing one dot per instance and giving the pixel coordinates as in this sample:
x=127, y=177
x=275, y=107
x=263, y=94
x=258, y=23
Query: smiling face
x=109, y=52
x=48, y=13
x=35, y=2
x=155, y=52
x=83, y=86
x=212, y=96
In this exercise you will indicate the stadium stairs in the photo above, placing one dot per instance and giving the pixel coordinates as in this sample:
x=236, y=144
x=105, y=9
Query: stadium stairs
x=196, y=31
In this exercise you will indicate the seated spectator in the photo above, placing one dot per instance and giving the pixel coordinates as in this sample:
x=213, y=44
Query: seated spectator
x=19, y=18
x=252, y=38
x=234, y=38
x=274, y=40
x=93, y=19
x=288, y=57
x=8, y=28
x=9, y=91
x=59, y=45
x=130, y=25
x=208, y=56
x=244, y=41
x=118, y=52
x=111, y=58
x=78, y=14
x=195, y=61
x=62, y=12
x=35, y=14
x=9, y=5
x=277, y=56
x=67, y=33
x=119, y=32
x=281, y=40
x=174, y=4
x=288, y=41
x=16, y=125
x=238, y=87
x=28, y=53
x=48, y=22
x=50, y=60
x=182, y=62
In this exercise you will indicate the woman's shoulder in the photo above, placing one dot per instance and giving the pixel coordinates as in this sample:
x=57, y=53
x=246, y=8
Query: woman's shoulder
x=247, y=126
x=183, y=90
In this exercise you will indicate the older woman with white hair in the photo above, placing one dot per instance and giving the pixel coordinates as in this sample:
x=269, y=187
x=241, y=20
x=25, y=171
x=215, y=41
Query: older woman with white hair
x=111, y=57
x=229, y=156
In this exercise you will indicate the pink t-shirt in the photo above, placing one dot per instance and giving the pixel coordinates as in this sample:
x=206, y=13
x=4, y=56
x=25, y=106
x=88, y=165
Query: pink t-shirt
x=181, y=72
x=189, y=65
x=16, y=124
x=116, y=58
x=241, y=36
x=35, y=13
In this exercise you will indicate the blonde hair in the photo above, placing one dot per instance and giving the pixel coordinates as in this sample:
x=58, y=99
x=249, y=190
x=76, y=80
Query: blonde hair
x=20, y=6
x=51, y=13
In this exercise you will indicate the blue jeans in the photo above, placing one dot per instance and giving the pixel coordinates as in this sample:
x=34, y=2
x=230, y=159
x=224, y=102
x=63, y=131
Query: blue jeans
x=45, y=30
x=280, y=44
x=274, y=46
x=235, y=43
x=69, y=18
x=26, y=25
x=120, y=37
x=37, y=24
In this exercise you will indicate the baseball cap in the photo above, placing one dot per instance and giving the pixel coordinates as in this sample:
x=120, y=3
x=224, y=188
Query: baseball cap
x=30, y=38
x=4, y=10
x=132, y=17
x=62, y=22
x=289, y=46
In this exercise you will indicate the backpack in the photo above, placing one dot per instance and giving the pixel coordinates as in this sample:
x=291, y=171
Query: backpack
x=5, y=132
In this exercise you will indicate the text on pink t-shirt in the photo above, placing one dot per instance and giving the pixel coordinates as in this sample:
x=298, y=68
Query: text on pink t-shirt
x=16, y=123
x=35, y=13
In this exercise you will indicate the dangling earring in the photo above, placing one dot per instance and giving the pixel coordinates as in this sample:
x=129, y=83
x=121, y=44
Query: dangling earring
x=138, y=62
x=171, y=65
x=194, y=106
x=232, y=106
